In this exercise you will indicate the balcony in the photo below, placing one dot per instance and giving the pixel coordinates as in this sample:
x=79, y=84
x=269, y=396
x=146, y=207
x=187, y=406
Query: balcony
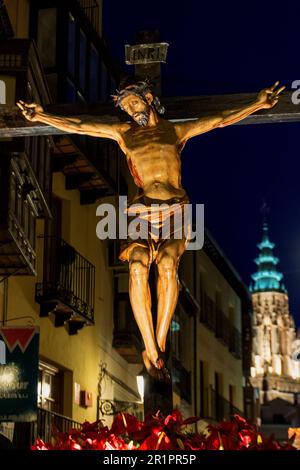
x=48, y=422
x=181, y=380
x=126, y=336
x=23, y=76
x=18, y=209
x=68, y=288
x=25, y=164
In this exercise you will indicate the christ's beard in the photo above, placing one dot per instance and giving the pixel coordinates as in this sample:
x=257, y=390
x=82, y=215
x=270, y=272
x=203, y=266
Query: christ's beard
x=142, y=118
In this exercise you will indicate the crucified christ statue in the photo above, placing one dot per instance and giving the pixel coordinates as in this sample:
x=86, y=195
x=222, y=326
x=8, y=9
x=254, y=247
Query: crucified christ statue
x=152, y=146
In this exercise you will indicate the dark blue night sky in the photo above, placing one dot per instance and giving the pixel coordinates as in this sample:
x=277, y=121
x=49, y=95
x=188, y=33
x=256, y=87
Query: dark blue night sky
x=221, y=47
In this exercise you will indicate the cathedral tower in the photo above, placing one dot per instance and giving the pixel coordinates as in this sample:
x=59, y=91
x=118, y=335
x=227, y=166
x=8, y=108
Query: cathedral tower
x=275, y=371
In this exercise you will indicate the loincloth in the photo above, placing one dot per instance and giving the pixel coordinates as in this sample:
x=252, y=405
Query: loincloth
x=157, y=221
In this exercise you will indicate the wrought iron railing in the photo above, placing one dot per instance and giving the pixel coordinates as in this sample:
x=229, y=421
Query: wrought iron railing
x=68, y=278
x=17, y=220
x=19, y=58
x=25, y=169
x=47, y=424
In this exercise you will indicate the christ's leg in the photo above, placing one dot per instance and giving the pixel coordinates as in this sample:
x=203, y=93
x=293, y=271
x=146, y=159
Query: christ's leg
x=167, y=287
x=140, y=299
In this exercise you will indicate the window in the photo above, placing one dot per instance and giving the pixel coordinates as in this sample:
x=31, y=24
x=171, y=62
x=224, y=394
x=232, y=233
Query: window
x=50, y=388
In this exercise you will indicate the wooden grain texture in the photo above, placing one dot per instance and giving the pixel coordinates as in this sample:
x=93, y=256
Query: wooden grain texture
x=12, y=123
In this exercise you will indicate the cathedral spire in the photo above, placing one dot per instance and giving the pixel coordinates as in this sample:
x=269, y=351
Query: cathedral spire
x=267, y=278
x=275, y=370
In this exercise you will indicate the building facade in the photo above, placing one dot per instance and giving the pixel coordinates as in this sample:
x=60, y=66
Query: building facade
x=275, y=371
x=55, y=272
x=220, y=331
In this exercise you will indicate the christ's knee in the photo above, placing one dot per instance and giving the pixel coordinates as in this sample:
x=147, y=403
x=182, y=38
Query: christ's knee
x=138, y=270
x=139, y=264
x=167, y=266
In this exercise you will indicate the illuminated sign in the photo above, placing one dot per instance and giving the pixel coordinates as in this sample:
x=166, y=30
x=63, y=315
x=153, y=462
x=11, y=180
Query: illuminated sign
x=19, y=357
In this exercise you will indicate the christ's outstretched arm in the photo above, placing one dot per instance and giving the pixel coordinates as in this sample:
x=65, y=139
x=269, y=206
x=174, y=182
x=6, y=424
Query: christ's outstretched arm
x=87, y=125
x=267, y=98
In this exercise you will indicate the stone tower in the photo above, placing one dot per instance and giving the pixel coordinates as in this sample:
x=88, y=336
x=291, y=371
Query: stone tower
x=275, y=371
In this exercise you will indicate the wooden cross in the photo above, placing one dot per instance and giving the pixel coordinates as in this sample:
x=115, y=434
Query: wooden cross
x=12, y=123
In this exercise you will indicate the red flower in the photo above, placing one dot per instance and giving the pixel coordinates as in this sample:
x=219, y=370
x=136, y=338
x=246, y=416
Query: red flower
x=240, y=421
x=157, y=441
x=162, y=433
x=125, y=423
x=245, y=438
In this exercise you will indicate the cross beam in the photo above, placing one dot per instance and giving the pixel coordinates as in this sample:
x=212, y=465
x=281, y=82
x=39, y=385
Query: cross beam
x=12, y=123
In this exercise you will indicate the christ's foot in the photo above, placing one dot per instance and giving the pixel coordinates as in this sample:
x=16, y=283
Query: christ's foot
x=151, y=369
x=157, y=370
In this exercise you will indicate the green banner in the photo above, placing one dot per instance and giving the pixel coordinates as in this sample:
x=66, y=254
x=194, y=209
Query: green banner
x=19, y=360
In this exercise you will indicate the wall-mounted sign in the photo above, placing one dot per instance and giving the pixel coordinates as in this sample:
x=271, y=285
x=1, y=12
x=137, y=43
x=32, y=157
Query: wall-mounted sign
x=146, y=53
x=19, y=358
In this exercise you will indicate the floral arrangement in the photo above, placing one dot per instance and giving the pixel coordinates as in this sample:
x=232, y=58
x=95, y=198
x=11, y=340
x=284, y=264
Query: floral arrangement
x=160, y=433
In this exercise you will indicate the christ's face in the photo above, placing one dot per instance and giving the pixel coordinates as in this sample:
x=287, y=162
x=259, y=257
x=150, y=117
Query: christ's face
x=137, y=109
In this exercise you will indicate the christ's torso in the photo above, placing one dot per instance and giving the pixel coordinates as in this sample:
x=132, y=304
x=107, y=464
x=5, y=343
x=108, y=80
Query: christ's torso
x=153, y=157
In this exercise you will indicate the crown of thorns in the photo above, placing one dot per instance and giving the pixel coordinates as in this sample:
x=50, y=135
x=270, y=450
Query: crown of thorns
x=139, y=89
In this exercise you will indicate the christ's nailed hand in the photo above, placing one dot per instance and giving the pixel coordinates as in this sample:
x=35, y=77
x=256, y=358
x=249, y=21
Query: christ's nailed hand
x=30, y=111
